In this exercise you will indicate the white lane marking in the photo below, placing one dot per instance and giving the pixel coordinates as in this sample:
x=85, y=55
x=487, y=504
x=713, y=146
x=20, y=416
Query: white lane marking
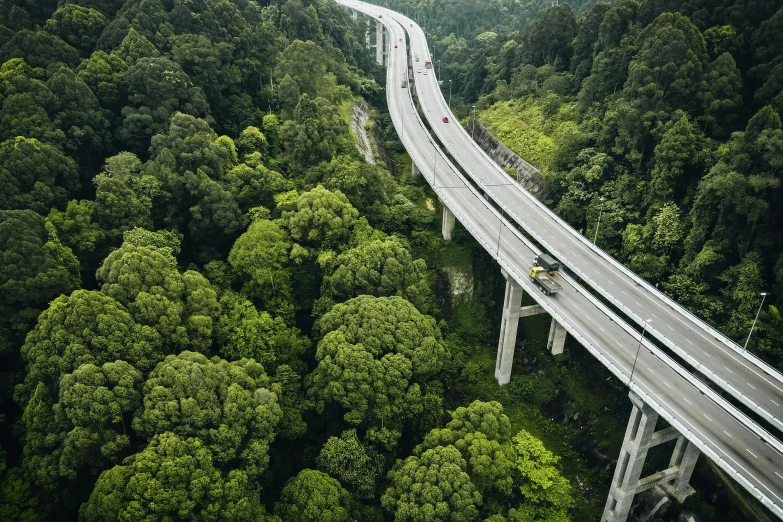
x=667, y=384
x=602, y=329
x=638, y=303
x=779, y=475
x=650, y=369
x=707, y=417
x=689, y=341
x=623, y=291
x=708, y=355
x=686, y=400
x=746, y=449
x=727, y=433
x=749, y=384
x=728, y=369
x=775, y=403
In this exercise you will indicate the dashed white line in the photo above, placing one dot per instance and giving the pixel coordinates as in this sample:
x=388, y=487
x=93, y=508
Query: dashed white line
x=667, y=384
x=749, y=384
x=779, y=475
x=728, y=369
x=775, y=403
x=727, y=433
x=686, y=400
x=746, y=449
x=707, y=418
x=689, y=341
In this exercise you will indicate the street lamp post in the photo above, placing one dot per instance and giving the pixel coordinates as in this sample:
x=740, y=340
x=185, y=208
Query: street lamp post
x=473, y=130
x=637, y=350
x=763, y=296
x=595, y=237
x=450, y=84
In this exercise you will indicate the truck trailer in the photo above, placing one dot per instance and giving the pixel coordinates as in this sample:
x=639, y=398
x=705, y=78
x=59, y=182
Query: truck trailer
x=548, y=263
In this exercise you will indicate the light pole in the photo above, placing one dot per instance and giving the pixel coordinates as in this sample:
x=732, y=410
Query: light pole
x=595, y=237
x=763, y=296
x=637, y=350
x=450, y=84
x=473, y=130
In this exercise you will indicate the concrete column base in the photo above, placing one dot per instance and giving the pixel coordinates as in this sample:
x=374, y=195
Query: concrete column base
x=415, y=170
x=448, y=223
x=557, y=337
x=508, y=330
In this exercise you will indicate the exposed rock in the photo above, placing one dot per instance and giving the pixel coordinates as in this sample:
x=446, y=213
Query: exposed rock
x=360, y=115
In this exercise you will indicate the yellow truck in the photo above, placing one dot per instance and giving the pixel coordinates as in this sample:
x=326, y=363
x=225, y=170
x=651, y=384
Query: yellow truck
x=542, y=272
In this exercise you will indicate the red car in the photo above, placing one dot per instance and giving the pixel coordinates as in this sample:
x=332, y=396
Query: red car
x=445, y=119
x=395, y=46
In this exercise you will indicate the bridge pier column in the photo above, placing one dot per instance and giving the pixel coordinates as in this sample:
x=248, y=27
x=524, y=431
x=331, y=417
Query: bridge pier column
x=380, y=44
x=415, y=171
x=448, y=223
x=508, y=330
x=557, y=337
x=354, y=14
x=640, y=436
x=684, y=459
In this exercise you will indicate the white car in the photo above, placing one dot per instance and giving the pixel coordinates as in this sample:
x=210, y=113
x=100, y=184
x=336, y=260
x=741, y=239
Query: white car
x=418, y=70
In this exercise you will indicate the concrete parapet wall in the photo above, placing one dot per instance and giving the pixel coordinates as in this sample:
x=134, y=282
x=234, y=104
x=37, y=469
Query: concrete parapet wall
x=529, y=176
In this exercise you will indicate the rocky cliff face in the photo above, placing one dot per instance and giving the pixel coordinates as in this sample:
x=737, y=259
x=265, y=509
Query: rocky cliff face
x=529, y=176
x=359, y=117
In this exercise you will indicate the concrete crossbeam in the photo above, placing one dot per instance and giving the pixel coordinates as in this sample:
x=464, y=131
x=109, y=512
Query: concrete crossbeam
x=527, y=311
x=508, y=331
x=665, y=435
x=448, y=223
x=656, y=479
x=557, y=336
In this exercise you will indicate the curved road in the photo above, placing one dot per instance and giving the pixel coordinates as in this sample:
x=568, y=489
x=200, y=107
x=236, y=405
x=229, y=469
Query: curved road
x=736, y=444
x=750, y=380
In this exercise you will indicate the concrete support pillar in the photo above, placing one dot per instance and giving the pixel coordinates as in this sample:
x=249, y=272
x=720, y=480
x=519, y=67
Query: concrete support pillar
x=684, y=459
x=508, y=330
x=448, y=223
x=638, y=438
x=557, y=337
x=354, y=14
x=415, y=171
x=379, y=43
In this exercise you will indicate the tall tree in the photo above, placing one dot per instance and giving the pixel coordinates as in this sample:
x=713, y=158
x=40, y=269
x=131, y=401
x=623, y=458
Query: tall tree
x=232, y=407
x=314, y=496
x=173, y=477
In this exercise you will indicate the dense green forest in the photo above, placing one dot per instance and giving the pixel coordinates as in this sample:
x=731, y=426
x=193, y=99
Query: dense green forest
x=669, y=110
x=215, y=306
